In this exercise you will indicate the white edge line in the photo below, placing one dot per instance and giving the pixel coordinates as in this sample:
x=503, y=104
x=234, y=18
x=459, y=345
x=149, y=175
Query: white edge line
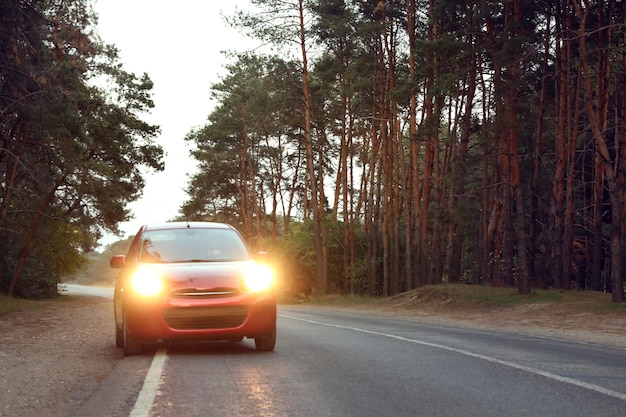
x=144, y=401
x=576, y=382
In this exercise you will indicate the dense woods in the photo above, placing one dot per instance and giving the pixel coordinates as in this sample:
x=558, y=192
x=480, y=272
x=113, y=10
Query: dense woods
x=385, y=145
x=72, y=142
x=372, y=147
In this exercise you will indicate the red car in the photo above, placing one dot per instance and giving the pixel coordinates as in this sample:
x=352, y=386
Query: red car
x=192, y=281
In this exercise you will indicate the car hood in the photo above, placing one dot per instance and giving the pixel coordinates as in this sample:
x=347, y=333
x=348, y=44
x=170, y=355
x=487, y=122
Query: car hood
x=203, y=275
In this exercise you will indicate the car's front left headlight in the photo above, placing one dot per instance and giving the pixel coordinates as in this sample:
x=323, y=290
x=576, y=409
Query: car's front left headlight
x=147, y=282
x=258, y=277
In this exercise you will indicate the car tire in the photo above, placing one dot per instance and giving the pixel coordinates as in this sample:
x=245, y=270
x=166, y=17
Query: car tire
x=131, y=346
x=119, y=336
x=266, y=343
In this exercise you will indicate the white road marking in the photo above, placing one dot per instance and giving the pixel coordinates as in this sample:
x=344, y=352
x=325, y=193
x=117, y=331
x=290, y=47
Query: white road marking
x=572, y=381
x=150, y=385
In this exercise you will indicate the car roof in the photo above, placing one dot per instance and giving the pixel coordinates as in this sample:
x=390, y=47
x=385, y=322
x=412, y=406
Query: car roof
x=186, y=225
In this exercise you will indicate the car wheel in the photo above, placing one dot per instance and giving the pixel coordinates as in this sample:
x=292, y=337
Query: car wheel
x=119, y=336
x=267, y=342
x=131, y=346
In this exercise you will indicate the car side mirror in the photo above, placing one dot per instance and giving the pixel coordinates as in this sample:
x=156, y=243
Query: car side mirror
x=118, y=262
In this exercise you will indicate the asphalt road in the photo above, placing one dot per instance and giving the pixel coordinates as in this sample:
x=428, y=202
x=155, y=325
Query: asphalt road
x=333, y=363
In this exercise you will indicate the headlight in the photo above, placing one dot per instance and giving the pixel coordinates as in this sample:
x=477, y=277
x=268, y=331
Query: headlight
x=258, y=277
x=147, y=282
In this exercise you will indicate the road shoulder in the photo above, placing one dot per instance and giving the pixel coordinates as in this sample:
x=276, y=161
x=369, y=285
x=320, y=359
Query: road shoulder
x=55, y=357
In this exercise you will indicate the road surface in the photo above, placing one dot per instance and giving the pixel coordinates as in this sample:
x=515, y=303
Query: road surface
x=329, y=362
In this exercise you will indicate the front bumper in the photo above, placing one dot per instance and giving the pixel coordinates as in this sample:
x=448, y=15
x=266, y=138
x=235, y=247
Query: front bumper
x=167, y=319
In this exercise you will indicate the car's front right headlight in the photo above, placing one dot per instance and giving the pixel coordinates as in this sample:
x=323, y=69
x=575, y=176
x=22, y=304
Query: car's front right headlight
x=147, y=282
x=258, y=277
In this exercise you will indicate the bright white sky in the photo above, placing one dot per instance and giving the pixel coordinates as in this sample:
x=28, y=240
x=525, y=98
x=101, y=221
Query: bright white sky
x=179, y=45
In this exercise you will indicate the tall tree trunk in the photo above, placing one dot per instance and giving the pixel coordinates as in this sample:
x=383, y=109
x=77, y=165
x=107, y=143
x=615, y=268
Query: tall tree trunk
x=435, y=269
x=10, y=179
x=372, y=208
x=522, y=247
x=537, y=164
x=485, y=240
x=597, y=215
x=342, y=178
x=244, y=192
x=395, y=158
x=411, y=188
x=384, y=165
x=319, y=224
x=30, y=236
x=595, y=102
x=456, y=250
x=568, y=224
x=500, y=224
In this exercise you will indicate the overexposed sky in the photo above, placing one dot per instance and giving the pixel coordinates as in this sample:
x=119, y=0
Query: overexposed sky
x=179, y=45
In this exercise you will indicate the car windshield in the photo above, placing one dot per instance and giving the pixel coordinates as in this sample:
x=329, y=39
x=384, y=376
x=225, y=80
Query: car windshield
x=192, y=245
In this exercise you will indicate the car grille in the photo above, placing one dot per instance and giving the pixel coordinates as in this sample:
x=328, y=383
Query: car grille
x=198, y=293
x=197, y=318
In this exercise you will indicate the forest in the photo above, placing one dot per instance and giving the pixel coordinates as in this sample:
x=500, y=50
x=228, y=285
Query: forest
x=73, y=149
x=372, y=147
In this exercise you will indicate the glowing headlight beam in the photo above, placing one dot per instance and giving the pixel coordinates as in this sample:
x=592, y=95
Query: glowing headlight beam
x=259, y=277
x=147, y=282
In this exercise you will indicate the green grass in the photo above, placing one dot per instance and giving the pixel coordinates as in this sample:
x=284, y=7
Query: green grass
x=475, y=297
x=11, y=305
x=499, y=297
x=615, y=308
x=331, y=300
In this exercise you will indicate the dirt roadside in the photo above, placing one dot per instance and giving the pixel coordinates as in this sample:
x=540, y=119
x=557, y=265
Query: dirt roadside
x=52, y=359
